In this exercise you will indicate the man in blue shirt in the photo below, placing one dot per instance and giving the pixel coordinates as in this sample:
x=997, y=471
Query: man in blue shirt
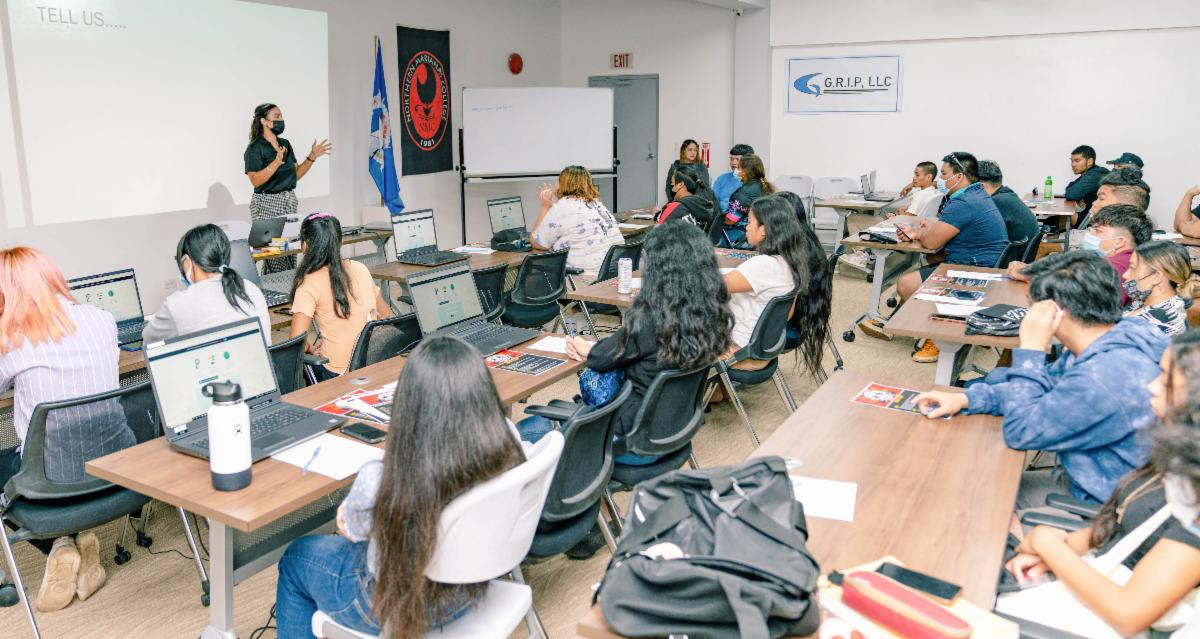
x=727, y=183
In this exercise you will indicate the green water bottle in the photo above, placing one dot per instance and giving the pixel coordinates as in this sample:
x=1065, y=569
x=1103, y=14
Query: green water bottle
x=1048, y=193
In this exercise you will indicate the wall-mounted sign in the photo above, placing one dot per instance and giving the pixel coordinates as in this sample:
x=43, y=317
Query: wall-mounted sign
x=851, y=84
x=622, y=60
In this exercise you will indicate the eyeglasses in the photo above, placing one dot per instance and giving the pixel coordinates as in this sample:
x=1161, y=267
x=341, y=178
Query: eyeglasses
x=954, y=158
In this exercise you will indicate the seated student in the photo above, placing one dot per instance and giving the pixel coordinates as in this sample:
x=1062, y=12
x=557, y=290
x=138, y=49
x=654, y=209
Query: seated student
x=926, y=198
x=52, y=349
x=689, y=155
x=1187, y=217
x=574, y=218
x=693, y=202
x=371, y=574
x=754, y=185
x=728, y=182
x=969, y=229
x=1122, y=186
x=1082, y=190
x=214, y=295
x=1087, y=405
x=1020, y=222
x=1127, y=160
x=1159, y=278
x=1166, y=567
x=789, y=260
x=338, y=295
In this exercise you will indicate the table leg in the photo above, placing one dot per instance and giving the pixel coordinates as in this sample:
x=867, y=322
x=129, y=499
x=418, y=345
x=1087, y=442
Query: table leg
x=947, y=354
x=381, y=248
x=220, y=565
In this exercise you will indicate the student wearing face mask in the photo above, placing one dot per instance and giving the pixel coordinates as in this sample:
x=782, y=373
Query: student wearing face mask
x=1157, y=282
x=1166, y=566
x=693, y=201
x=213, y=293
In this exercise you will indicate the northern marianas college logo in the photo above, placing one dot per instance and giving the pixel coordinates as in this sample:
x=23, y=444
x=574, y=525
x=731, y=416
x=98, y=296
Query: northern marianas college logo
x=425, y=95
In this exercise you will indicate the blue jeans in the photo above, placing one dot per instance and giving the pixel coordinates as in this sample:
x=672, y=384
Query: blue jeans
x=535, y=427
x=327, y=573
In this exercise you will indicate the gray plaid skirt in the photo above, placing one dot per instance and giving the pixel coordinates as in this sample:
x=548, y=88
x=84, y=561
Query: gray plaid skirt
x=265, y=205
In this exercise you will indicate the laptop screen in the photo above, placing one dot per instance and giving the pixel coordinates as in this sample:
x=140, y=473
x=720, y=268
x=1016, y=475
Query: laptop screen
x=413, y=230
x=181, y=367
x=445, y=298
x=114, y=292
x=242, y=261
x=506, y=213
x=866, y=184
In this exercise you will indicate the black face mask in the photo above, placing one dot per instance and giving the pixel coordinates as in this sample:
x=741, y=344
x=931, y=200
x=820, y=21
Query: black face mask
x=277, y=127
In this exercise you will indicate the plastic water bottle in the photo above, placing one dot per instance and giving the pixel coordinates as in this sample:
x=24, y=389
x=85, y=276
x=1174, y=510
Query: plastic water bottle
x=1048, y=193
x=625, y=276
x=228, y=436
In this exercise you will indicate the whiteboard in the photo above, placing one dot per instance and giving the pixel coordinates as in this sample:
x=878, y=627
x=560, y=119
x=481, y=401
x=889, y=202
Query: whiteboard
x=536, y=130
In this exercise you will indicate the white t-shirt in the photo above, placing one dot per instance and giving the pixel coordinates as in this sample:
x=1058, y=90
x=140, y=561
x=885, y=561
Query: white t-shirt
x=925, y=202
x=586, y=228
x=769, y=276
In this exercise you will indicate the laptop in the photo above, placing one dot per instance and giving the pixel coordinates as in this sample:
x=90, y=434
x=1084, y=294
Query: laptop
x=416, y=239
x=869, y=194
x=507, y=213
x=180, y=367
x=264, y=230
x=117, y=293
x=242, y=261
x=446, y=300
x=291, y=226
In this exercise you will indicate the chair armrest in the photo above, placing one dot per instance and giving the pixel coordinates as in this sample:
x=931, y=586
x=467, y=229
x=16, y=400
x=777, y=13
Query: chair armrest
x=573, y=270
x=1031, y=630
x=553, y=413
x=1044, y=519
x=1085, y=509
x=315, y=360
x=562, y=403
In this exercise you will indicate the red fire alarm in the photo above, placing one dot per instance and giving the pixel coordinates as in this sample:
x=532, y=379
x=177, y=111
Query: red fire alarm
x=515, y=63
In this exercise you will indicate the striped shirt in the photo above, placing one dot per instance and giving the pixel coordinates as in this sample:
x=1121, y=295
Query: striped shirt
x=82, y=363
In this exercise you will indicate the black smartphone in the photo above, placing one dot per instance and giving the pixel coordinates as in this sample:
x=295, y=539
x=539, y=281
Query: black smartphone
x=943, y=591
x=362, y=432
x=964, y=295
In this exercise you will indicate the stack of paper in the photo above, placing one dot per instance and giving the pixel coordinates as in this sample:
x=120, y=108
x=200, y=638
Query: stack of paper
x=956, y=310
x=825, y=498
x=975, y=275
x=474, y=250
x=330, y=455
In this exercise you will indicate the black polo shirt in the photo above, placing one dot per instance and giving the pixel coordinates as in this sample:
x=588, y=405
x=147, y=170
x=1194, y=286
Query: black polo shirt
x=260, y=153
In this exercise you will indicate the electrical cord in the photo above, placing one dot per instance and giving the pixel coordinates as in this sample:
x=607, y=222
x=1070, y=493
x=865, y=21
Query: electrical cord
x=258, y=632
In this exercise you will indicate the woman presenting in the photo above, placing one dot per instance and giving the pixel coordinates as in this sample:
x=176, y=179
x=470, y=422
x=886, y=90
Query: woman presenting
x=272, y=168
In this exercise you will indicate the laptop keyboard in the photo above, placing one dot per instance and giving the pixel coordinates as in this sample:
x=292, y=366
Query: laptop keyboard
x=276, y=298
x=130, y=333
x=434, y=258
x=261, y=426
x=481, y=331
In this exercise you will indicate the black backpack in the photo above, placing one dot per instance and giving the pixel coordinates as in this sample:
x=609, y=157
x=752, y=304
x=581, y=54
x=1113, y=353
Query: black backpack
x=744, y=570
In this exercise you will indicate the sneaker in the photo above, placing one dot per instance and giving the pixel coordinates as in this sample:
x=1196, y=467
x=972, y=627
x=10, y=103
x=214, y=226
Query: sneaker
x=927, y=354
x=857, y=260
x=62, y=568
x=91, y=573
x=874, y=328
x=588, y=545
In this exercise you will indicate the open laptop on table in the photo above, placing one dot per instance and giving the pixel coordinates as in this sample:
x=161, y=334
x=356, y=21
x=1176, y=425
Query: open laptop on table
x=117, y=293
x=242, y=261
x=180, y=367
x=262, y=231
x=507, y=213
x=446, y=300
x=416, y=240
x=869, y=193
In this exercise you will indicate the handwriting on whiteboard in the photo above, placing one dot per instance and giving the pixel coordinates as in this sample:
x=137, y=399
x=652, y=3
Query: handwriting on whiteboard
x=498, y=107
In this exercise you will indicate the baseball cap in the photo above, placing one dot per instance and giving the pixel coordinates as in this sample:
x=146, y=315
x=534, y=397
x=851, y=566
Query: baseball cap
x=1128, y=158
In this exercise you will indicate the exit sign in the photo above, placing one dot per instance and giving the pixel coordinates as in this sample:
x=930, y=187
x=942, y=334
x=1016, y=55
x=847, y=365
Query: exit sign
x=622, y=60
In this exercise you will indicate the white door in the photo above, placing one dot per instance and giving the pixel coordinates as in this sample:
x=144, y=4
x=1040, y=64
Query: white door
x=635, y=113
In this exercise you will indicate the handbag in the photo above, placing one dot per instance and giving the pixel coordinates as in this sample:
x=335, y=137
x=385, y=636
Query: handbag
x=1000, y=320
x=1054, y=605
x=597, y=388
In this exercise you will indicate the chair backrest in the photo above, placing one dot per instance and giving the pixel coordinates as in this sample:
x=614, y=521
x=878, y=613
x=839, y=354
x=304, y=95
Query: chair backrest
x=384, y=339
x=672, y=411
x=288, y=359
x=587, y=459
x=1013, y=251
x=66, y=434
x=490, y=284
x=830, y=186
x=802, y=186
x=542, y=278
x=487, y=531
x=608, y=268
x=769, y=337
x=1031, y=251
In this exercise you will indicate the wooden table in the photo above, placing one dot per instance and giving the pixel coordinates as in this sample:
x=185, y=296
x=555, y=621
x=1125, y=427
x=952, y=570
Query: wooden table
x=882, y=275
x=379, y=237
x=844, y=205
x=605, y=291
x=912, y=320
x=278, y=489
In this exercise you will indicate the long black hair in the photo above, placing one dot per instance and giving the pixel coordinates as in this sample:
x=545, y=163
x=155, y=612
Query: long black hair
x=683, y=297
x=801, y=213
x=207, y=247
x=260, y=112
x=689, y=175
x=321, y=235
x=810, y=268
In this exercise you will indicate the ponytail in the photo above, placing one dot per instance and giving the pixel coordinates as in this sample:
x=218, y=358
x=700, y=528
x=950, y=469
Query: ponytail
x=1174, y=262
x=208, y=248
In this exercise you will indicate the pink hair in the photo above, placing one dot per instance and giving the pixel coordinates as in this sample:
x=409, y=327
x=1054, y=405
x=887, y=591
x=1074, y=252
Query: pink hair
x=30, y=286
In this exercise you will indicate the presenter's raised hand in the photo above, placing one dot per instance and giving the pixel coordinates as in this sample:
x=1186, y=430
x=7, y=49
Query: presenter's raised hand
x=280, y=154
x=319, y=149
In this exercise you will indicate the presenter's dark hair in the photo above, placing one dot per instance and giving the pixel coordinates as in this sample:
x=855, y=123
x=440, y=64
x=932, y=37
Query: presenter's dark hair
x=1082, y=283
x=207, y=247
x=810, y=269
x=1086, y=151
x=683, y=147
x=741, y=149
x=260, y=112
x=1128, y=218
x=321, y=234
x=683, y=298
x=963, y=162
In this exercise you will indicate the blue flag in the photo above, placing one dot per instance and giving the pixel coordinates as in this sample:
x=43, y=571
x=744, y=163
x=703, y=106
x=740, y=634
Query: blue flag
x=382, y=164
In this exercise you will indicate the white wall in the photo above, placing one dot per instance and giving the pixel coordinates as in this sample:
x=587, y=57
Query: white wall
x=752, y=84
x=482, y=35
x=688, y=44
x=1024, y=101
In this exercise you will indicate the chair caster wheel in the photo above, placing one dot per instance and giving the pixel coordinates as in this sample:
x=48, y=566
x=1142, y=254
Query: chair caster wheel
x=204, y=600
x=848, y=336
x=8, y=595
x=892, y=302
x=144, y=540
x=122, y=556
x=870, y=278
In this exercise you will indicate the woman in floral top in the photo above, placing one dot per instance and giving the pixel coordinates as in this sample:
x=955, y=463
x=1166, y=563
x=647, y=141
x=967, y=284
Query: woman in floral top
x=573, y=217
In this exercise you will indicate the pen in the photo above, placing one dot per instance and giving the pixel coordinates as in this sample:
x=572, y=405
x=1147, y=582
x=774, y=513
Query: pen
x=304, y=469
x=571, y=326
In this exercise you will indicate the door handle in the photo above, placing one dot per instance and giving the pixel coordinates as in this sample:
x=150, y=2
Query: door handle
x=650, y=156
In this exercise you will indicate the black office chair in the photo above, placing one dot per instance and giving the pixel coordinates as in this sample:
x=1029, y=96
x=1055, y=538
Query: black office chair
x=1012, y=251
x=1085, y=510
x=573, y=504
x=541, y=282
x=767, y=341
x=671, y=413
x=608, y=270
x=384, y=339
x=490, y=283
x=287, y=357
x=50, y=497
x=1035, y=243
